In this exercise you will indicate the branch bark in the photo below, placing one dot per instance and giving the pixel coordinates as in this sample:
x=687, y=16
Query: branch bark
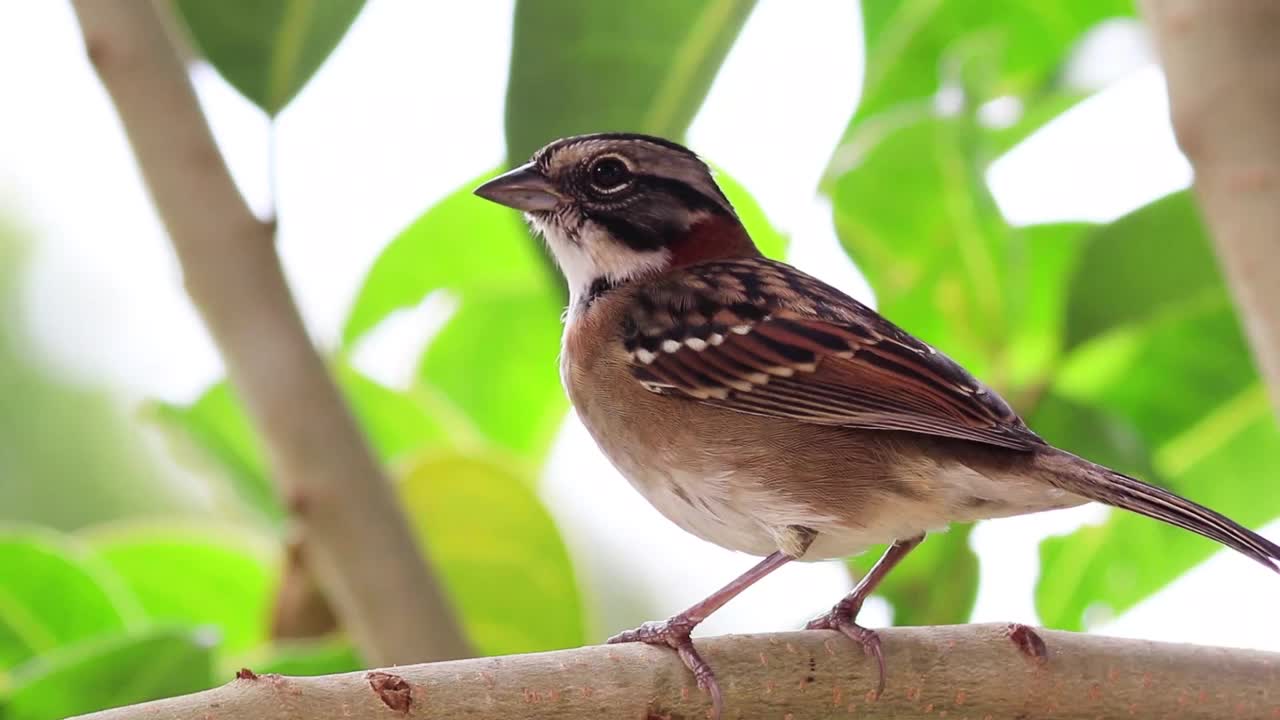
x=361, y=547
x=1222, y=60
x=960, y=671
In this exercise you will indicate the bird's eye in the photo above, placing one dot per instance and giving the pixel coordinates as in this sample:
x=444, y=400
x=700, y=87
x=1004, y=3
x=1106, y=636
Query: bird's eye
x=609, y=173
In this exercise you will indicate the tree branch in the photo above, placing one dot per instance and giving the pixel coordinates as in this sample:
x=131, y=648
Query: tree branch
x=361, y=547
x=958, y=671
x=1222, y=60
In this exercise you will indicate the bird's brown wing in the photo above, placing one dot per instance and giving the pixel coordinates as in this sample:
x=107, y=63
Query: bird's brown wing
x=761, y=337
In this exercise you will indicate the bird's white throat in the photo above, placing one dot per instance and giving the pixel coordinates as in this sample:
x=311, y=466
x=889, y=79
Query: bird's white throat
x=592, y=255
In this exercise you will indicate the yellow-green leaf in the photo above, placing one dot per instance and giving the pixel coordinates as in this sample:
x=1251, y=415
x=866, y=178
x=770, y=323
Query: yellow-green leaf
x=501, y=556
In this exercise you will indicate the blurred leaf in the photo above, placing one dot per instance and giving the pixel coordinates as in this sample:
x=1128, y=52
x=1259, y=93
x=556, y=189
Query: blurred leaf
x=768, y=238
x=1117, y=564
x=1162, y=353
x=217, y=425
x=1186, y=383
x=1093, y=433
x=936, y=584
x=310, y=658
x=1115, y=283
x=941, y=259
x=194, y=576
x=931, y=243
x=1008, y=47
x=498, y=551
x=395, y=421
x=1042, y=258
x=1166, y=376
x=53, y=595
x=268, y=49
x=462, y=244
x=580, y=67
x=110, y=672
x=497, y=360
x=69, y=455
x=1036, y=112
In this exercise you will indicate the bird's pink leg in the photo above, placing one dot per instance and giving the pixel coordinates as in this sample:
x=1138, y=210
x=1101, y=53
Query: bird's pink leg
x=674, y=631
x=842, y=616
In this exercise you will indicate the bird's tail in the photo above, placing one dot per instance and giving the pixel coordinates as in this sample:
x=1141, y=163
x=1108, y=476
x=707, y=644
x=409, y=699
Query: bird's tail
x=1081, y=477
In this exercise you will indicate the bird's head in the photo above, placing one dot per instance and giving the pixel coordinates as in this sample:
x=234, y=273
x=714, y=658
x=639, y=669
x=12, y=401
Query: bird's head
x=616, y=207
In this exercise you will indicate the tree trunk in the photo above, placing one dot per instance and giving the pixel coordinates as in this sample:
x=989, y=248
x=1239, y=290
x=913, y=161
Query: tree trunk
x=1222, y=64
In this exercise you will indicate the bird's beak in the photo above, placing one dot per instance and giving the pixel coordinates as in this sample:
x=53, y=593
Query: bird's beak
x=523, y=189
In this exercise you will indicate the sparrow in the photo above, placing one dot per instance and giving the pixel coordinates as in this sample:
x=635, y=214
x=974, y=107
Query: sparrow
x=765, y=411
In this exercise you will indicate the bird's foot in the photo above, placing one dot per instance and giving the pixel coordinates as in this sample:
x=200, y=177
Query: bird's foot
x=841, y=618
x=674, y=633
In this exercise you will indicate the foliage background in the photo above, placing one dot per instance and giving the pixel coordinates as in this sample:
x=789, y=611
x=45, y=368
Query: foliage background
x=1002, y=176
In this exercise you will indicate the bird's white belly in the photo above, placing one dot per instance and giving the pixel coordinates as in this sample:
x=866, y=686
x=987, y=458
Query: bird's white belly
x=734, y=511
x=738, y=512
x=706, y=507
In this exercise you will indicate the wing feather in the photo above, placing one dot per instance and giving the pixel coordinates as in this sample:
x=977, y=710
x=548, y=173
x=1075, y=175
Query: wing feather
x=763, y=338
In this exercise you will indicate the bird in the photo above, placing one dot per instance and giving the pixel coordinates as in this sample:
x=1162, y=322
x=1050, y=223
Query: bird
x=765, y=411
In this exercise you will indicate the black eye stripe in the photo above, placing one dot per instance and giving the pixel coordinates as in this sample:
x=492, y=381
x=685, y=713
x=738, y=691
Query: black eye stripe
x=688, y=195
x=633, y=235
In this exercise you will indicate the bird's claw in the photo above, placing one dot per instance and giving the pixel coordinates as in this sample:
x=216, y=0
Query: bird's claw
x=675, y=634
x=841, y=619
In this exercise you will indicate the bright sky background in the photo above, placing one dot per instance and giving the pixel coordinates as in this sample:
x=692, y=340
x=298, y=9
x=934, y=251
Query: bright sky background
x=408, y=107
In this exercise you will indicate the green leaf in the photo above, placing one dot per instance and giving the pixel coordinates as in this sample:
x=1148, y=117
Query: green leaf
x=1164, y=354
x=499, y=552
x=70, y=452
x=1215, y=441
x=462, y=244
x=932, y=244
x=194, y=576
x=937, y=584
x=311, y=658
x=1108, y=290
x=579, y=66
x=510, y=389
x=1042, y=258
x=217, y=425
x=53, y=595
x=122, y=669
x=768, y=238
x=1159, y=376
x=1094, y=433
x=943, y=262
x=1037, y=111
x=268, y=49
x=396, y=422
x=1006, y=47
x=1115, y=565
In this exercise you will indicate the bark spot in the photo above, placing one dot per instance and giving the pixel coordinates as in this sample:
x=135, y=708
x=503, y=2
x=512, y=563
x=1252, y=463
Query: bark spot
x=392, y=690
x=95, y=46
x=245, y=673
x=1027, y=642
